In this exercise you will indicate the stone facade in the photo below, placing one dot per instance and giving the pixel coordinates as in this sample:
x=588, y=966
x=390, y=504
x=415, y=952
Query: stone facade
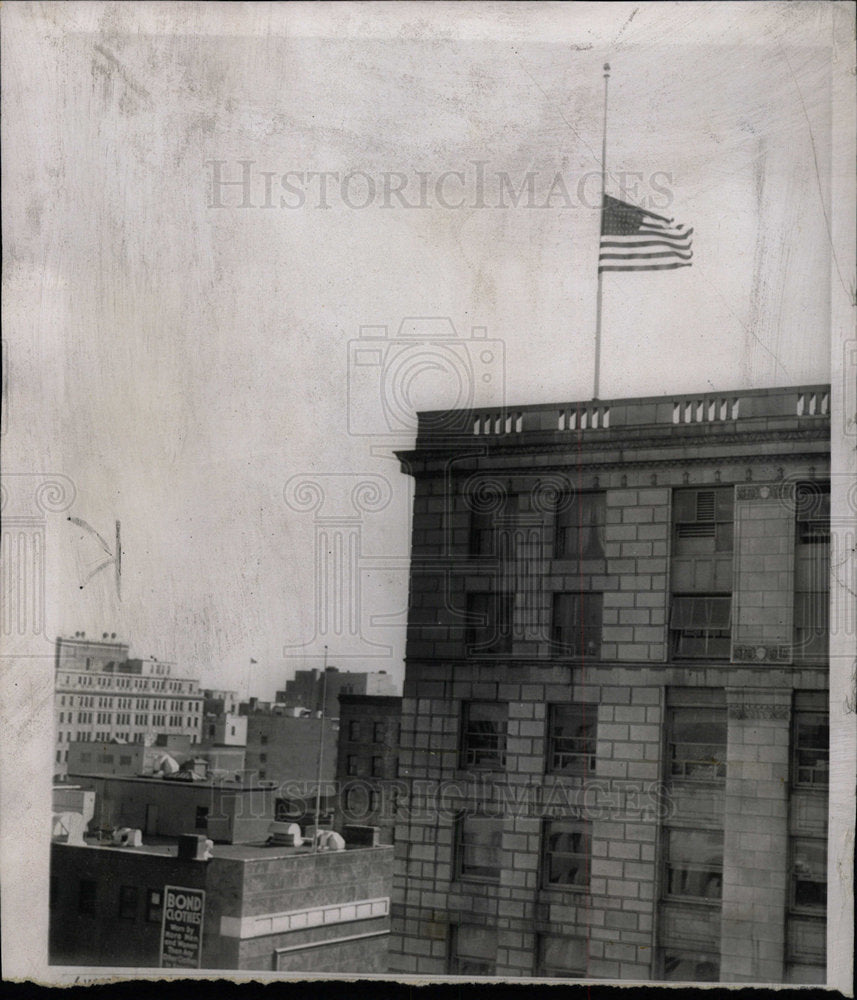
x=599, y=750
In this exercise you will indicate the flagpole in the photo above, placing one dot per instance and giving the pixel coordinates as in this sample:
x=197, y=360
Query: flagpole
x=600, y=274
x=320, y=755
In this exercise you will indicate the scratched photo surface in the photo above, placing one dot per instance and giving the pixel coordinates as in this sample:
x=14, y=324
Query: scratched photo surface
x=554, y=681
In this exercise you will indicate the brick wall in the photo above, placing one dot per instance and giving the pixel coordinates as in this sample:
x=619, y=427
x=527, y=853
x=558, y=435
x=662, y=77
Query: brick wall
x=635, y=594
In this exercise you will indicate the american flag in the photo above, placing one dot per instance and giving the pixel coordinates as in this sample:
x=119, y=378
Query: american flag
x=634, y=239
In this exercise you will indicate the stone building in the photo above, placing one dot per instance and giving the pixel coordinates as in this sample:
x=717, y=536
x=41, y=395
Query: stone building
x=614, y=723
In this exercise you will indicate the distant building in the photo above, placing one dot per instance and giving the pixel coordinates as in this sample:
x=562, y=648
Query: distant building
x=268, y=908
x=285, y=748
x=135, y=759
x=228, y=729
x=227, y=812
x=367, y=762
x=102, y=695
x=305, y=689
x=218, y=702
x=615, y=725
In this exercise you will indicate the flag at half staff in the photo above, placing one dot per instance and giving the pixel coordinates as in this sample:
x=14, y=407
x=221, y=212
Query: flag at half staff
x=634, y=239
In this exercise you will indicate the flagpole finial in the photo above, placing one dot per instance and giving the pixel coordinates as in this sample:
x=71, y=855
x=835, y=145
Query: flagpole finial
x=606, y=69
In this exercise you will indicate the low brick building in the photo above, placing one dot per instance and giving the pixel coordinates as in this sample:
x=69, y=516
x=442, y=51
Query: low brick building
x=614, y=723
x=265, y=908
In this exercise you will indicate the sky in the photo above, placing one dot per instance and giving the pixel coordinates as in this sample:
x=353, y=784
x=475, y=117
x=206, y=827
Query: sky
x=224, y=369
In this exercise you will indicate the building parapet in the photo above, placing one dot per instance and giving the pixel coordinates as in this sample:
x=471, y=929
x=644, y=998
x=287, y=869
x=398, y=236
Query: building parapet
x=799, y=406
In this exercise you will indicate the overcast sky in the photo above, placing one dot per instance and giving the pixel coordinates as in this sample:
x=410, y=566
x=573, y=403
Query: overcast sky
x=181, y=349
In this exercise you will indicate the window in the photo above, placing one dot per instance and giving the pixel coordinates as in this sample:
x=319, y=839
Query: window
x=810, y=740
x=154, y=905
x=580, y=519
x=378, y=732
x=86, y=895
x=809, y=874
x=697, y=742
x=125, y=760
x=812, y=513
x=483, y=734
x=490, y=622
x=493, y=514
x=263, y=739
x=694, y=863
x=354, y=729
x=571, y=739
x=351, y=764
x=128, y=902
x=703, y=521
x=812, y=571
x=478, y=847
x=577, y=624
x=701, y=626
x=701, y=582
x=201, y=822
x=564, y=957
x=472, y=950
x=567, y=853
x=806, y=943
x=685, y=965
x=378, y=767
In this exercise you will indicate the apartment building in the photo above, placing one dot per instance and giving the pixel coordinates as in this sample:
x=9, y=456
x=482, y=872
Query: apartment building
x=367, y=762
x=614, y=724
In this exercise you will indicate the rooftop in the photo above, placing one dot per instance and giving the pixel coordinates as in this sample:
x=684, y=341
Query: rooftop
x=736, y=410
x=221, y=783
x=382, y=700
x=167, y=847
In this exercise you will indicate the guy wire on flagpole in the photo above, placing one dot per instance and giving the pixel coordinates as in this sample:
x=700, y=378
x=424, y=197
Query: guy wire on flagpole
x=603, y=195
